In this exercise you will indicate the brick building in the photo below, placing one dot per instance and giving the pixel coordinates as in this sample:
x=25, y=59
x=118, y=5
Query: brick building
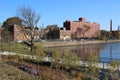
x=82, y=29
x=64, y=34
x=19, y=33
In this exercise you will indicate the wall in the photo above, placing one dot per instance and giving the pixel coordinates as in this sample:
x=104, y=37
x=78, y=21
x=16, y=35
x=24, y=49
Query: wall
x=79, y=30
x=24, y=34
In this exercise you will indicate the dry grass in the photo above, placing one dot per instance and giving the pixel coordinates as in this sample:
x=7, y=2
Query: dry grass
x=10, y=72
x=13, y=72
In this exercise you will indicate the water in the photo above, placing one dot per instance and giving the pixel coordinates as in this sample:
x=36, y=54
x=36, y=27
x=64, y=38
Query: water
x=110, y=52
x=105, y=52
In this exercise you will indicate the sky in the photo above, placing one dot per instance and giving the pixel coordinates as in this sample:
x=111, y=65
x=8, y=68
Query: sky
x=58, y=11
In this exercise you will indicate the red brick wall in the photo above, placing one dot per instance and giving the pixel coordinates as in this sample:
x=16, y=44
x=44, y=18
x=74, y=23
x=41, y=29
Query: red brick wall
x=78, y=30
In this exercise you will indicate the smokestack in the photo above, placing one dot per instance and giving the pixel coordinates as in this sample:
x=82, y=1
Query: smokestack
x=110, y=25
x=110, y=28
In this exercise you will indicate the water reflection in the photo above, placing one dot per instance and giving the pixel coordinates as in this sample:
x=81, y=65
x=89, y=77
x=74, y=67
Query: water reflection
x=105, y=52
x=83, y=51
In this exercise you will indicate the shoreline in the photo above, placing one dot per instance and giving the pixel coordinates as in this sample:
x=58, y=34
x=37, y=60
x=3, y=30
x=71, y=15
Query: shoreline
x=73, y=43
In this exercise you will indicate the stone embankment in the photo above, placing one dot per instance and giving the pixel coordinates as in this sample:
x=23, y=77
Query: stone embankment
x=72, y=43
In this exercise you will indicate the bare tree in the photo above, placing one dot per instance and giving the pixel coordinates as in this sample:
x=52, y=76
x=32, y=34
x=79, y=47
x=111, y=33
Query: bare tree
x=81, y=31
x=29, y=19
x=85, y=29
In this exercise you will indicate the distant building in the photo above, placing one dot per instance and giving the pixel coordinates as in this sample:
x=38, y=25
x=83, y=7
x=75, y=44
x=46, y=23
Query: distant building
x=43, y=33
x=116, y=34
x=17, y=33
x=64, y=34
x=81, y=29
x=50, y=33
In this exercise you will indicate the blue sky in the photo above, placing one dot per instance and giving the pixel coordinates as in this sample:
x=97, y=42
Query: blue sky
x=58, y=11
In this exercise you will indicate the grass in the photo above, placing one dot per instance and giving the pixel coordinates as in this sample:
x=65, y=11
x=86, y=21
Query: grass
x=16, y=47
x=12, y=72
x=8, y=72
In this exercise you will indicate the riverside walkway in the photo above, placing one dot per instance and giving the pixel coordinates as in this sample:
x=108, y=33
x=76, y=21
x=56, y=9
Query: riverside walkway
x=101, y=65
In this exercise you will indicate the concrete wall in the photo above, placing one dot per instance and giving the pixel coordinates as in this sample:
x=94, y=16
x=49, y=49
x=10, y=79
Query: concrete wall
x=72, y=43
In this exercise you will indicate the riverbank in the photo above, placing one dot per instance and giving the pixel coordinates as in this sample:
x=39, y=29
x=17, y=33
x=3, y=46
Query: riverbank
x=72, y=43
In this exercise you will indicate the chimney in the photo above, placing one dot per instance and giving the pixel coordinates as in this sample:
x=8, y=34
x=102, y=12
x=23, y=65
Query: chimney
x=110, y=28
x=82, y=19
x=110, y=25
x=64, y=28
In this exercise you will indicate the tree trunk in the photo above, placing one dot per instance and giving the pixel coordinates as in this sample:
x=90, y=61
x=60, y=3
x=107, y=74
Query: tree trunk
x=0, y=57
x=32, y=43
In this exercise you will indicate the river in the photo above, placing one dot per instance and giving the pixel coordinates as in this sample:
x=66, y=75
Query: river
x=105, y=52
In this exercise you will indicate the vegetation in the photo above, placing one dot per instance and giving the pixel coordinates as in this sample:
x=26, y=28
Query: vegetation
x=104, y=34
x=104, y=38
x=58, y=70
x=56, y=59
x=81, y=31
x=63, y=65
x=70, y=59
x=30, y=19
x=92, y=70
x=16, y=47
x=114, y=70
x=8, y=72
x=12, y=20
x=53, y=32
x=39, y=52
x=45, y=72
